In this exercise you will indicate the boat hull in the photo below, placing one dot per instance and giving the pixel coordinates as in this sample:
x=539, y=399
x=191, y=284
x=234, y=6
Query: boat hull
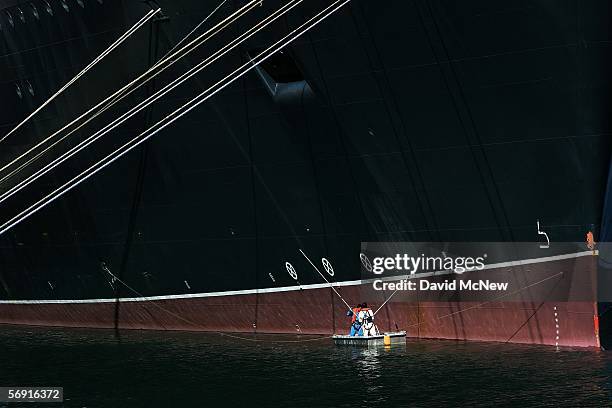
x=385, y=339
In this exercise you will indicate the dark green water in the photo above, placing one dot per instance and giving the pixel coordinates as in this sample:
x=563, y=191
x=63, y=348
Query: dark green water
x=162, y=369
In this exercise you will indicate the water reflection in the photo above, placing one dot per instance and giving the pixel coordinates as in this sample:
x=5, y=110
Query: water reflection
x=160, y=369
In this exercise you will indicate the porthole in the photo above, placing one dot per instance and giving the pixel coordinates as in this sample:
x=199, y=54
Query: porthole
x=21, y=15
x=9, y=18
x=48, y=8
x=65, y=6
x=81, y=3
x=30, y=88
x=18, y=90
x=34, y=11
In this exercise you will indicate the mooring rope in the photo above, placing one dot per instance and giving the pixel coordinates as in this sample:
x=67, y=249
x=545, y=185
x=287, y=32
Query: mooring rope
x=114, y=99
x=177, y=114
x=194, y=30
x=99, y=58
x=488, y=301
x=153, y=71
x=148, y=101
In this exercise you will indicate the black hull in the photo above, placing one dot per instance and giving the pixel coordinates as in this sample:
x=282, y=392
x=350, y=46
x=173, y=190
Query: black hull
x=417, y=121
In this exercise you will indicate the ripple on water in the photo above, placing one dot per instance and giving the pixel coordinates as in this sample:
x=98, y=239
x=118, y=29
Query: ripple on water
x=160, y=369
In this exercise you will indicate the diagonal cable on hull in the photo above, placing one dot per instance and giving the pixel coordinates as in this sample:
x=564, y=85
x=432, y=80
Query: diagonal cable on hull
x=166, y=62
x=175, y=115
x=99, y=58
x=147, y=102
x=200, y=24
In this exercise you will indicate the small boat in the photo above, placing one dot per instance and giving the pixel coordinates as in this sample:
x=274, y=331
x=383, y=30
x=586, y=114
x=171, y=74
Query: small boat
x=384, y=339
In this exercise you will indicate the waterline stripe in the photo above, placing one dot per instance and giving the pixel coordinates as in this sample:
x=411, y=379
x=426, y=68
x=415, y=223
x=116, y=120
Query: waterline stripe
x=294, y=288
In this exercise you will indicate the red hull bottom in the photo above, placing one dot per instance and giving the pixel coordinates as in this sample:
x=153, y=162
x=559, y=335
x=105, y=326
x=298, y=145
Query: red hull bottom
x=318, y=311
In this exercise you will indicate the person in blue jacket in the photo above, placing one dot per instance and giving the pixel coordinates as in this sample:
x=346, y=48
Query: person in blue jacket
x=356, y=329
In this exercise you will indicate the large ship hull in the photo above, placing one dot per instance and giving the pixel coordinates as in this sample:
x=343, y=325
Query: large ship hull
x=428, y=121
x=520, y=316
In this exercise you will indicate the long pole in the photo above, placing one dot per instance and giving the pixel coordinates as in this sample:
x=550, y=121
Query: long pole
x=323, y=276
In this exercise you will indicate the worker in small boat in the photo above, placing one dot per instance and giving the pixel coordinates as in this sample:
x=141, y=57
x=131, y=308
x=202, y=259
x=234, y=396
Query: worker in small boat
x=356, y=329
x=366, y=318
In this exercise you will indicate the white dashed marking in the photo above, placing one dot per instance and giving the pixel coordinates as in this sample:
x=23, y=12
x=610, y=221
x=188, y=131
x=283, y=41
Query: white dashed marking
x=556, y=326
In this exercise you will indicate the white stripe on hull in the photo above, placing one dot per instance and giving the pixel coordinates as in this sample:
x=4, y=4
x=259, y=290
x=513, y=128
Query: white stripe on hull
x=295, y=288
